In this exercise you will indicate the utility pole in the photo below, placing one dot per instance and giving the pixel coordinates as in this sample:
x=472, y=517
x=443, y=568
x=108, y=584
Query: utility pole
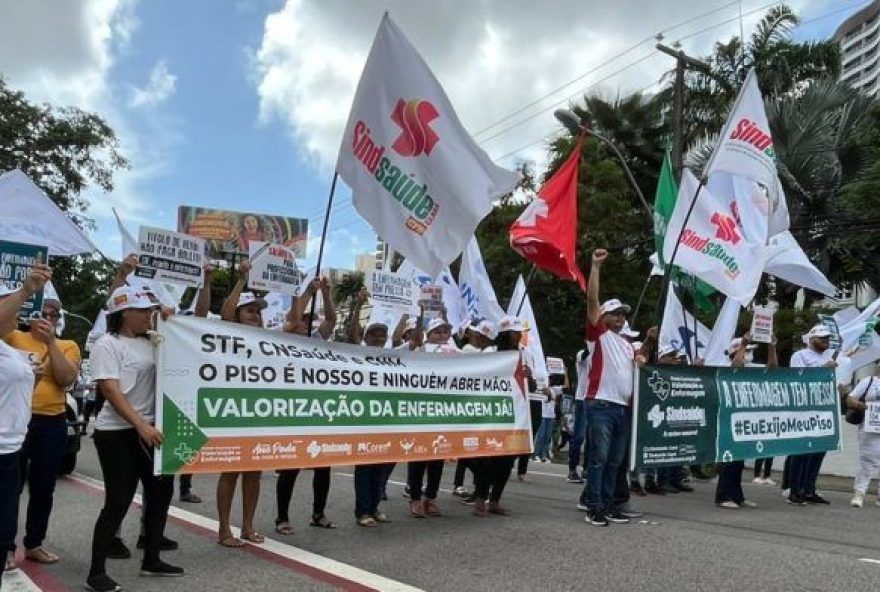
x=682, y=61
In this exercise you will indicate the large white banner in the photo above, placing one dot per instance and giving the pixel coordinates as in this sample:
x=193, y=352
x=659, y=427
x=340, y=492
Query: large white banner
x=240, y=398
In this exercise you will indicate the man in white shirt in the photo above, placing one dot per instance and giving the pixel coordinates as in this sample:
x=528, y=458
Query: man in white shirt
x=804, y=468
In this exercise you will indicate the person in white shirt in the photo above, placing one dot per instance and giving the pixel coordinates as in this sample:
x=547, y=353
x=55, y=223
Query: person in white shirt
x=579, y=429
x=123, y=364
x=866, y=391
x=16, y=389
x=804, y=468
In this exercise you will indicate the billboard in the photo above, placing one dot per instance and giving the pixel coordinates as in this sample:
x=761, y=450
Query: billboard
x=232, y=232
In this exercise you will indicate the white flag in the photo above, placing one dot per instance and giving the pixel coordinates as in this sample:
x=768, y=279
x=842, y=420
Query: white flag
x=531, y=336
x=168, y=294
x=722, y=334
x=745, y=148
x=477, y=294
x=712, y=245
x=29, y=216
x=859, y=333
x=416, y=174
x=679, y=328
x=788, y=261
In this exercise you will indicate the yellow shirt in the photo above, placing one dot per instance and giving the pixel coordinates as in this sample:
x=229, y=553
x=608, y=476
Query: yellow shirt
x=48, y=394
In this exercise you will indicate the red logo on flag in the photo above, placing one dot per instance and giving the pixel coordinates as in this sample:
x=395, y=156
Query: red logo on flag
x=414, y=118
x=725, y=228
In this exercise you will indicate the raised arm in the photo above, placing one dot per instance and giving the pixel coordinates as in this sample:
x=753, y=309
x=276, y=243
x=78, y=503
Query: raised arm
x=739, y=356
x=36, y=278
x=355, y=331
x=593, y=307
x=299, y=304
x=772, y=357
x=399, y=330
x=329, y=322
x=128, y=265
x=231, y=302
x=203, y=301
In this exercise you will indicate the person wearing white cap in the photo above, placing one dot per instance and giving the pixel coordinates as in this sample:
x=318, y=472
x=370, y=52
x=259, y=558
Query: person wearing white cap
x=123, y=364
x=804, y=468
x=609, y=392
x=16, y=391
x=244, y=308
x=40, y=455
x=866, y=391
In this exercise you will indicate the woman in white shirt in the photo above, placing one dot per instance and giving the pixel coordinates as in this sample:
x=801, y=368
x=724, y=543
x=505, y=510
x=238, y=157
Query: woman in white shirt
x=16, y=388
x=124, y=366
x=866, y=391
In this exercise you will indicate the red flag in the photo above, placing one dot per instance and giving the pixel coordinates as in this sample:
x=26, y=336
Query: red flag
x=545, y=233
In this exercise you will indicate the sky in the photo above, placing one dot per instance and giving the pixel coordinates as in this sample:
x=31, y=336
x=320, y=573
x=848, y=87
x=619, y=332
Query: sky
x=241, y=104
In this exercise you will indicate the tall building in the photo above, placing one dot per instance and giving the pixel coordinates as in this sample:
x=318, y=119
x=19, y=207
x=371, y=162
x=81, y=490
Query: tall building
x=859, y=39
x=381, y=252
x=366, y=262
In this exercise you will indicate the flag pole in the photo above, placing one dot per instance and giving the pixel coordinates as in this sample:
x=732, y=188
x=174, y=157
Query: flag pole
x=693, y=291
x=321, y=248
x=526, y=289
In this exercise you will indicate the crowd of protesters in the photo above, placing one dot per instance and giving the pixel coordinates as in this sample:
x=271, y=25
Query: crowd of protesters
x=594, y=417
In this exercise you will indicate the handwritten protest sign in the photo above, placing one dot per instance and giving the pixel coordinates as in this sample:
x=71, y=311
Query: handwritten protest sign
x=273, y=268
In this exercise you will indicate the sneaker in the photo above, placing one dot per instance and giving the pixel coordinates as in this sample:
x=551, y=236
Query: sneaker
x=545, y=460
x=573, y=477
x=795, y=500
x=636, y=488
x=583, y=507
x=190, y=498
x=416, y=509
x=786, y=492
x=366, y=521
x=597, y=518
x=167, y=544
x=729, y=505
x=748, y=504
x=631, y=514
x=616, y=517
x=469, y=500
x=406, y=491
x=769, y=481
x=460, y=491
x=381, y=517
x=758, y=480
x=118, y=550
x=102, y=583
x=815, y=498
x=160, y=569
x=857, y=501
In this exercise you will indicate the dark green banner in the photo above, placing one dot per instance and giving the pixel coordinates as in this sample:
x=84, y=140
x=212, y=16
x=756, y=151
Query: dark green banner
x=694, y=415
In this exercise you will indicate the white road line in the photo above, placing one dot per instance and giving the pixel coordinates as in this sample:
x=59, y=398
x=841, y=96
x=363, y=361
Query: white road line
x=319, y=562
x=392, y=481
x=18, y=581
x=869, y=560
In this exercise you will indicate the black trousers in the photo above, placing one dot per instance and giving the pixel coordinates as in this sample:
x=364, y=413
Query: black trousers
x=415, y=474
x=729, y=487
x=284, y=491
x=763, y=466
x=491, y=474
x=125, y=459
x=460, y=467
x=522, y=463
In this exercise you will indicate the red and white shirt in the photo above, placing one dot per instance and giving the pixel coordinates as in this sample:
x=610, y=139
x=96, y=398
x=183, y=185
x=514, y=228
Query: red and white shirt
x=611, y=366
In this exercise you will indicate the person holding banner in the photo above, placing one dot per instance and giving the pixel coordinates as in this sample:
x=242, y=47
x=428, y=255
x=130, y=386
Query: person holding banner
x=299, y=322
x=40, y=455
x=244, y=308
x=804, y=468
x=124, y=366
x=16, y=391
x=729, y=492
x=866, y=393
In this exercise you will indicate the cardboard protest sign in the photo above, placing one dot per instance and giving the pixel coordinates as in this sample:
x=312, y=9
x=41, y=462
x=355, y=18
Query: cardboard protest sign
x=166, y=256
x=273, y=268
x=762, y=324
x=391, y=291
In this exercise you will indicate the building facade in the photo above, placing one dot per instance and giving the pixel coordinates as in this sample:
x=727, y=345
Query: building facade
x=859, y=39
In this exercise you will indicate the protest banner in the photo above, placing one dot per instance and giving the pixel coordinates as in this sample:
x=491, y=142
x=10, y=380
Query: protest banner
x=240, y=398
x=431, y=300
x=391, y=291
x=555, y=366
x=166, y=256
x=16, y=260
x=695, y=415
x=872, y=417
x=273, y=268
x=232, y=232
x=762, y=324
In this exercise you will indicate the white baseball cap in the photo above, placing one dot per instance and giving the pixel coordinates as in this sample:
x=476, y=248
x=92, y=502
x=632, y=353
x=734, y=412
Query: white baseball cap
x=436, y=324
x=376, y=325
x=509, y=323
x=246, y=298
x=818, y=330
x=484, y=328
x=613, y=305
x=735, y=345
x=126, y=297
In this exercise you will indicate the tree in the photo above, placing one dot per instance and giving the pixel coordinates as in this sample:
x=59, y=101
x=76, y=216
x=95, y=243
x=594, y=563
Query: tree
x=64, y=151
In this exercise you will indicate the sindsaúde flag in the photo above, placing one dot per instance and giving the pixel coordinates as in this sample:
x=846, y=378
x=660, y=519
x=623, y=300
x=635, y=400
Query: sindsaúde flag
x=546, y=231
x=711, y=244
x=416, y=174
x=745, y=148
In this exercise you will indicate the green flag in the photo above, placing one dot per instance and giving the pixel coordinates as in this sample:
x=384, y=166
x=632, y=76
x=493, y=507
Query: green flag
x=664, y=204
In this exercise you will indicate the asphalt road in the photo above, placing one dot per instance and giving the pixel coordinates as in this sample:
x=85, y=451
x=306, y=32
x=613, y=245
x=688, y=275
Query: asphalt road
x=684, y=543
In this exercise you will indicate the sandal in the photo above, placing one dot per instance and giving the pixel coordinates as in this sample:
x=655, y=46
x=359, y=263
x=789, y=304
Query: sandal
x=321, y=522
x=232, y=542
x=41, y=555
x=253, y=537
x=367, y=521
x=283, y=528
x=11, y=565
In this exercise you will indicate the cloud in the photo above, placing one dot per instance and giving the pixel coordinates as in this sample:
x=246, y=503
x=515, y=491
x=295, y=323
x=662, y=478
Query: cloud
x=493, y=58
x=159, y=88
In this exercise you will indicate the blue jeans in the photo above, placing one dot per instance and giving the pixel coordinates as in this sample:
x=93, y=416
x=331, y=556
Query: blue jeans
x=542, y=438
x=40, y=458
x=606, y=446
x=368, y=483
x=579, y=434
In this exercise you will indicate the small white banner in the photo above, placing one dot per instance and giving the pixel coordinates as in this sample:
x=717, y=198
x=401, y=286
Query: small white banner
x=872, y=418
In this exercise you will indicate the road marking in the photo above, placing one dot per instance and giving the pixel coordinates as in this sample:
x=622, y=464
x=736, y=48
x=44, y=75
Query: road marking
x=869, y=560
x=342, y=575
x=392, y=481
x=18, y=581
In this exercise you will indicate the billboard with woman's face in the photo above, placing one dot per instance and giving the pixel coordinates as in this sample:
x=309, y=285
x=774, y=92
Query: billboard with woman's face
x=231, y=232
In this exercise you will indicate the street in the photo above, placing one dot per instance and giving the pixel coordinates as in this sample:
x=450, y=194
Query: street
x=684, y=541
